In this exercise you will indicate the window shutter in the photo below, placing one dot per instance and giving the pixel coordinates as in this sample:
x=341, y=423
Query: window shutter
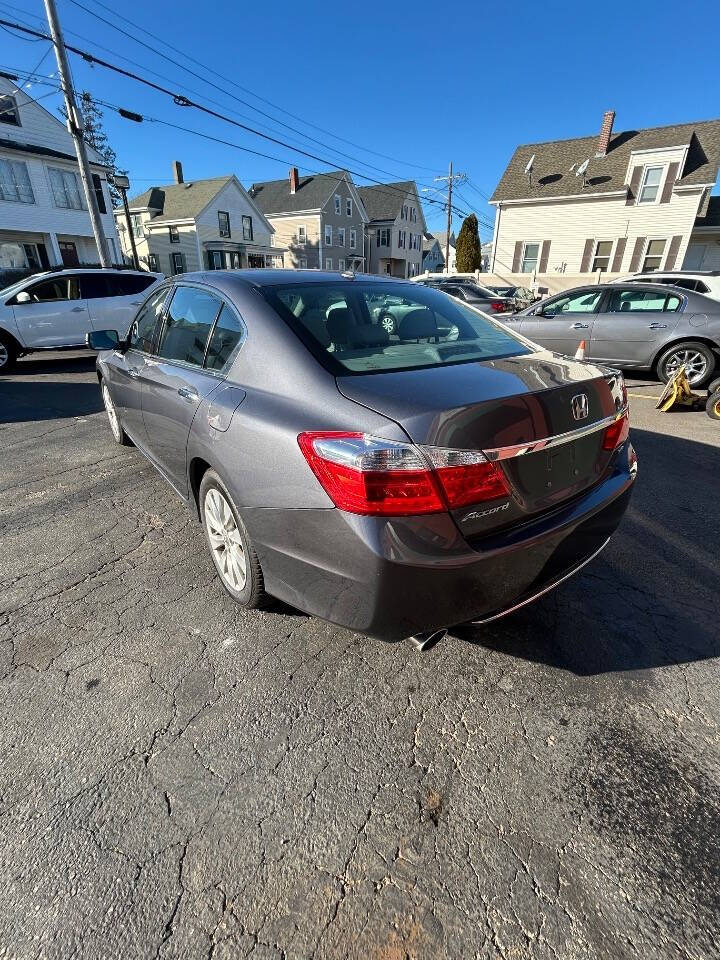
x=517, y=256
x=619, y=254
x=544, y=254
x=636, y=254
x=587, y=253
x=667, y=190
x=634, y=184
x=673, y=252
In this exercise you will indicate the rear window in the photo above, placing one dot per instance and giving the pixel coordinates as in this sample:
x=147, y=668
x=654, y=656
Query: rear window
x=345, y=326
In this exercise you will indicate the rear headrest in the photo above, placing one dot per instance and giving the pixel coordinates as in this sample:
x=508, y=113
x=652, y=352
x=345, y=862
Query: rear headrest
x=625, y=305
x=418, y=323
x=339, y=324
x=369, y=336
x=314, y=321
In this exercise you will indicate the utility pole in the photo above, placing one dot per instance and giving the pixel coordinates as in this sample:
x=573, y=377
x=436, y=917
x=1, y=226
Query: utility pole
x=461, y=178
x=75, y=127
x=122, y=183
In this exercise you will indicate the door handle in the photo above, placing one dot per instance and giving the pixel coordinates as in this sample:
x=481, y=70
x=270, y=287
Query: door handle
x=580, y=326
x=78, y=310
x=188, y=394
x=657, y=326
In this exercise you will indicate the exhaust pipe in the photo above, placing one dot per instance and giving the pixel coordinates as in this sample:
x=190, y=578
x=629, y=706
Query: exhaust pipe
x=427, y=639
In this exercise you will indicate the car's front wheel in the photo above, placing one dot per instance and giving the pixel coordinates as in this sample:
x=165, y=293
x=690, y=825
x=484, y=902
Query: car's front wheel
x=230, y=545
x=8, y=353
x=697, y=358
x=119, y=435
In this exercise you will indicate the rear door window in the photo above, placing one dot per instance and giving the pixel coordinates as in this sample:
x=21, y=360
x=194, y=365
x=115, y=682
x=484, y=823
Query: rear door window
x=631, y=301
x=127, y=284
x=187, y=325
x=94, y=286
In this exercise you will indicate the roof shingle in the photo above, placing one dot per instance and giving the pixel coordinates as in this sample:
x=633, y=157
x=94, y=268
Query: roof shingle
x=179, y=201
x=273, y=196
x=383, y=202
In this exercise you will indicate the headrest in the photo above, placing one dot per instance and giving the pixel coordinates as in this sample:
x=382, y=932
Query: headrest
x=339, y=324
x=369, y=336
x=417, y=324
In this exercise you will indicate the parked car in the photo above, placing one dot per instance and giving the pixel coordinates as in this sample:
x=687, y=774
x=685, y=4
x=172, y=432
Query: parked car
x=702, y=281
x=56, y=309
x=643, y=326
x=474, y=294
x=522, y=297
x=390, y=486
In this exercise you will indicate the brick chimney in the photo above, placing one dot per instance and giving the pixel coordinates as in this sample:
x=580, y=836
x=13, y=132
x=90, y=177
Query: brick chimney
x=294, y=179
x=177, y=171
x=605, y=133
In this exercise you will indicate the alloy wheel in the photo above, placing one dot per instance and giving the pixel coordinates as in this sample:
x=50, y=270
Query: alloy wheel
x=694, y=362
x=112, y=413
x=4, y=355
x=388, y=324
x=225, y=540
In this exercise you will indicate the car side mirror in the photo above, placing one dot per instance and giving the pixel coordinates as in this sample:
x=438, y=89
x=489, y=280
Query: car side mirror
x=103, y=339
x=23, y=297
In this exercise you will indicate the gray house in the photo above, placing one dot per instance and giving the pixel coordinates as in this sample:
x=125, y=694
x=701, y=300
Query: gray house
x=396, y=230
x=320, y=219
x=433, y=257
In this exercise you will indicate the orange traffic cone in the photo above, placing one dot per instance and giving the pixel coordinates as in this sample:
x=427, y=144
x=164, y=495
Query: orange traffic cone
x=580, y=352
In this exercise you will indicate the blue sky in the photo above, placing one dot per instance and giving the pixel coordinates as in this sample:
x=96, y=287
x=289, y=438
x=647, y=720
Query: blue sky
x=418, y=84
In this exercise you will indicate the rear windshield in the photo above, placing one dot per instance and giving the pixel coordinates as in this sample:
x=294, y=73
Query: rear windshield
x=367, y=327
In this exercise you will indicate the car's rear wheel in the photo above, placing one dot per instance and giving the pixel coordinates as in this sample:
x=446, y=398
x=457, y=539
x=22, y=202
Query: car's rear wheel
x=230, y=545
x=8, y=353
x=119, y=435
x=388, y=323
x=697, y=358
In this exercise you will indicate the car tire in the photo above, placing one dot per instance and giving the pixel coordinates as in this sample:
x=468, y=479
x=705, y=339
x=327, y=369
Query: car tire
x=712, y=407
x=230, y=545
x=714, y=385
x=698, y=356
x=8, y=353
x=387, y=322
x=118, y=434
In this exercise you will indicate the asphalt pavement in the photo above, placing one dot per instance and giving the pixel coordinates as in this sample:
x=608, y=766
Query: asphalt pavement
x=180, y=778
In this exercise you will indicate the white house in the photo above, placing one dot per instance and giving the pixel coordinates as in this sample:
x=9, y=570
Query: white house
x=198, y=225
x=609, y=204
x=44, y=220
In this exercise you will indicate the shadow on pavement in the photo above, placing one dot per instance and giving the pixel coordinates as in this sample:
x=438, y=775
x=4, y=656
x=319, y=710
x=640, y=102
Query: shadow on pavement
x=28, y=400
x=650, y=599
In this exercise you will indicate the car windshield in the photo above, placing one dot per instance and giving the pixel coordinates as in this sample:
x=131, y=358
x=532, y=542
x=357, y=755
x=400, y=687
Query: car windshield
x=373, y=327
x=504, y=291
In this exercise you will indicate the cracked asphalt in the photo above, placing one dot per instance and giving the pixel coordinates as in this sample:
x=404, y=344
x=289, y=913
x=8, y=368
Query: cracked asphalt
x=180, y=778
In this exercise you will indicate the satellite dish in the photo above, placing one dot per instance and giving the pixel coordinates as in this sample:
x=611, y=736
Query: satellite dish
x=582, y=168
x=529, y=168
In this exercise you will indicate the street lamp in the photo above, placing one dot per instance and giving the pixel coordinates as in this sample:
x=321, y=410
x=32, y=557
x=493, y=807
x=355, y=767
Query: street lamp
x=123, y=184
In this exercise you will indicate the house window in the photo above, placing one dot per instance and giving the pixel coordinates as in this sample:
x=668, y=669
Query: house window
x=348, y=206
x=338, y=207
x=341, y=237
x=653, y=255
x=328, y=263
x=99, y=195
x=224, y=223
x=66, y=189
x=601, y=260
x=413, y=214
x=531, y=252
x=136, y=224
x=353, y=238
x=216, y=260
x=15, y=182
x=401, y=238
x=302, y=263
x=650, y=185
x=341, y=265
x=152, y=262
x=9, y=111
x=177, y=263
x=302, y=234
x=247, y=228
x=174, y=235
x=383, y=237
x=328, y=235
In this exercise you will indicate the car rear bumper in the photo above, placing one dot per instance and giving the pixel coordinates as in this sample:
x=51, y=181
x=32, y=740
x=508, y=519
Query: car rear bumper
x=394, y=577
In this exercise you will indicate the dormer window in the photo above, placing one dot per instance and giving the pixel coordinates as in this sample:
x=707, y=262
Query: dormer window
x=8, y=110
x=650, y=185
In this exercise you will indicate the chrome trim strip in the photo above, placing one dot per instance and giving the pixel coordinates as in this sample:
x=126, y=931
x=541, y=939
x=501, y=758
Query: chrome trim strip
x=536, y=596
x=532, y=446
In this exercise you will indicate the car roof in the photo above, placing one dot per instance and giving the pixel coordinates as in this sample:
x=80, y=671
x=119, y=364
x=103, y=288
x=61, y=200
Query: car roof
x=273, y=277
x=680, y=273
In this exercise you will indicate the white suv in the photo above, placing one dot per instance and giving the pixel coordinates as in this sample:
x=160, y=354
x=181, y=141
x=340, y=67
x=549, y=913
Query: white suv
x=706, y=282
x=56, y=310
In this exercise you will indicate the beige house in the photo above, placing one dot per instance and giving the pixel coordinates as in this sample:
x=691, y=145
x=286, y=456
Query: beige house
x=396, y=230
x=198, y=225
x=605, y=205
x=320, y=219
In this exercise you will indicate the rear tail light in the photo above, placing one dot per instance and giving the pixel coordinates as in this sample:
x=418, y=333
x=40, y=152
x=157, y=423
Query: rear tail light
x=368, y=475
x=617, y=433
x=498, y=306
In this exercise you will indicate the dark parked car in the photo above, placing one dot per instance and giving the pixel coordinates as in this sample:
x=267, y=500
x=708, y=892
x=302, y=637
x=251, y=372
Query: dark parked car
x=521, y=297
x=635, y=325
x=392, y=484
x=473, y=293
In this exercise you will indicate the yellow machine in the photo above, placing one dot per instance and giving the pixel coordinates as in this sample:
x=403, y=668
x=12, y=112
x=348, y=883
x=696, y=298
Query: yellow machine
x=677, y=393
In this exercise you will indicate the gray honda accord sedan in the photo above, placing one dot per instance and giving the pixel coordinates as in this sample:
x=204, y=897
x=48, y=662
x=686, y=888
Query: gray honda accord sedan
x=393, y=483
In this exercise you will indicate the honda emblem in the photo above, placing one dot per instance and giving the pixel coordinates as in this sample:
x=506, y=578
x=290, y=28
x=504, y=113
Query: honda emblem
x=580, y=406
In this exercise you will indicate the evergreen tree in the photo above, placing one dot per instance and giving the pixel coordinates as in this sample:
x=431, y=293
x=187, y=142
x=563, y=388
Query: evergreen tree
x=467, y=247
x=95, y=137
